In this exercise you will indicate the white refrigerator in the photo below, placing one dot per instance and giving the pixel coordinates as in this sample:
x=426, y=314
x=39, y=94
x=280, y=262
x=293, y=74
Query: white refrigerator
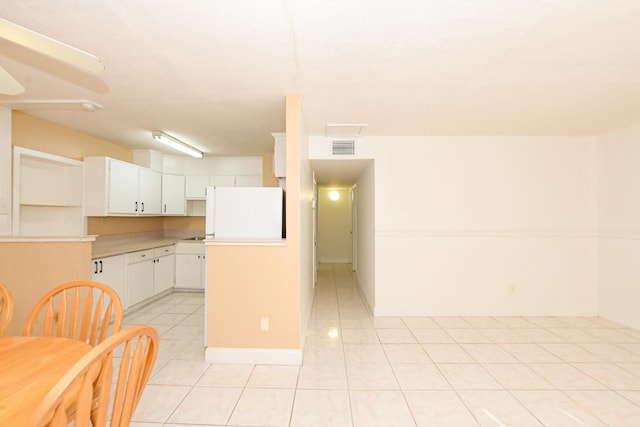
x=244, y=213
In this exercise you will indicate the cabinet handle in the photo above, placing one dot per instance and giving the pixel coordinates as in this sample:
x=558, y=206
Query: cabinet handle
x=142, y=206
x=165, y=208
x=95, y=263
x=136, y=206
x=143, y=255
x=100, y=266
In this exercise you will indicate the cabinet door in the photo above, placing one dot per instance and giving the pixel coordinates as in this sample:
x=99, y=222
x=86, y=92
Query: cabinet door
x=150, y=192
x=139, y=281
x=111, y=272
x=195, y=185
x=188, y=271
x=222, y=181
x=164, y=273
x=123, y=188
x=248, y=181
x=173, y=195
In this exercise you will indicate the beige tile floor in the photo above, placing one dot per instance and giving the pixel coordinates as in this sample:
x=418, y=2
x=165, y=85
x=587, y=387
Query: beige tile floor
x=365, y=372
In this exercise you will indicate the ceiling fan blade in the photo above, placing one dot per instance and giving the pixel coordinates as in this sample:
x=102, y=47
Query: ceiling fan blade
x=50, y=47
x=9, y=85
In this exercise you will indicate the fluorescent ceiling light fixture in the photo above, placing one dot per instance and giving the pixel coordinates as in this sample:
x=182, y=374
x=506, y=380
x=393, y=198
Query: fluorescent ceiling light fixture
x=346, y=130
x=52, y=104
x=176, y=144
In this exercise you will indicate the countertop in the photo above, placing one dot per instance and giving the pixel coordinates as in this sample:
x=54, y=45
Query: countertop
x=121, y=244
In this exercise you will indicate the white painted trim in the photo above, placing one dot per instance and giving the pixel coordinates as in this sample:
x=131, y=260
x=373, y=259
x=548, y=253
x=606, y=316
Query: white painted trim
x=255, y=356
x=335, y=261
x=489, y=233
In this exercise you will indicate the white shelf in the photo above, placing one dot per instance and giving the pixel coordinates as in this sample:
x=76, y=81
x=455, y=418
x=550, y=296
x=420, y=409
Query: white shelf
x=47, y=194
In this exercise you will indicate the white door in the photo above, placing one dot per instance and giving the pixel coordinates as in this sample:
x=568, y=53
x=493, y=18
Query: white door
x=139, y=281
x=315, y=230
x=111, y=272
x=150, y=192
x=123, y=188
x=189, y=271
x=195, y=185
x=164, y=271
x=173, y=195
x=354, y=228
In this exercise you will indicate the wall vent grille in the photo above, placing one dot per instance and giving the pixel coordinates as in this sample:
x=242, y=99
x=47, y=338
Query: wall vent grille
x=343, y=148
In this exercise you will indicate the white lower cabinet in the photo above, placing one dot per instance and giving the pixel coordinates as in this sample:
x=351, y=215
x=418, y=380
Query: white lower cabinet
x=191, y=265
x=140, y=266
x=164, y=269
x=137, y=276
x=111, y=272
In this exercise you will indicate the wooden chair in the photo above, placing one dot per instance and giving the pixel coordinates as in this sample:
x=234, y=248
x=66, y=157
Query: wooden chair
x=6, y=308
x=79, y=310
x=83, y=394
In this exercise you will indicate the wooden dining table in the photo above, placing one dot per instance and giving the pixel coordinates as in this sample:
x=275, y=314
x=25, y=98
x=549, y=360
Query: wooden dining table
x=29, y=368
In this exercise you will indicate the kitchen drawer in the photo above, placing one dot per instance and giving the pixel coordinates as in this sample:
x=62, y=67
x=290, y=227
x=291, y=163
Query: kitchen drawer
x=197, y=248
x=164, y=250
x=140, y=256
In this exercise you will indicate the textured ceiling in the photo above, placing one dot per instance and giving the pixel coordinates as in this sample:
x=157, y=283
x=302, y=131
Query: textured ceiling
x=216, y=72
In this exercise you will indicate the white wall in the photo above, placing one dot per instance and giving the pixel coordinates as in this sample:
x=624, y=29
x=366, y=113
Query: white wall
x=483, y=225
x=334, y=225
x=366, y=235
x=307, y=266
x=619, y=222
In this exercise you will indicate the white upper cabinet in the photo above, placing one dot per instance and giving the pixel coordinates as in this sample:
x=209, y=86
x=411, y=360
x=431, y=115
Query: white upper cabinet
x=173, y=194
x=122, y=183
x=150, y=192
x=248, y=181
x=222, y=181
x=197, y=183
x=114, y=187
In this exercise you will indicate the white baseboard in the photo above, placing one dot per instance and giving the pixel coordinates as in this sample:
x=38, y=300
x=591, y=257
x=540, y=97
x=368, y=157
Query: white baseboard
x=253, y=356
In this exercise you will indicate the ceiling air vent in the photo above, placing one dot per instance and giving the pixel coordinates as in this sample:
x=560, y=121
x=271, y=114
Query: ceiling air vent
x=343, y=148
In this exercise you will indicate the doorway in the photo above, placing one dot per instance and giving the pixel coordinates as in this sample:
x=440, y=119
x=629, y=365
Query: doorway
x=335, y=225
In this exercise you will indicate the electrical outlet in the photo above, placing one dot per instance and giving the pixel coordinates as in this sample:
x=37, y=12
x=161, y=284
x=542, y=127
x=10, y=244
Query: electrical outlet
x=264, y=324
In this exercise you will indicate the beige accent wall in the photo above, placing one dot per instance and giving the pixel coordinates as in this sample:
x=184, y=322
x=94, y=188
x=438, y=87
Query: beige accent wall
x=42, y=135
x=184, y=223
x=105, y=226
x=30, y=270
x=246, y=283
x=268, y=178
